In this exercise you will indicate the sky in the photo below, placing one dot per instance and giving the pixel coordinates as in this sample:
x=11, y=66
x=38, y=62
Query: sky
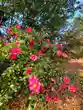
x=77, y=12
x=70, y=20
x=81, y=1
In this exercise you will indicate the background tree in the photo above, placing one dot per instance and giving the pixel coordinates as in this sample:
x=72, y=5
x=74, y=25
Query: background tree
x=49, y=14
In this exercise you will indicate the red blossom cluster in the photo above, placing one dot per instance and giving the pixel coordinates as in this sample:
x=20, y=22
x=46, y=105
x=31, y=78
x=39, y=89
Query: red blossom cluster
x=45, y=90
x=18, y=26
x=62, y=86
x=34, y=84
x=14, y=52
x=55, y=99
x=15, y=34
x=28, y=29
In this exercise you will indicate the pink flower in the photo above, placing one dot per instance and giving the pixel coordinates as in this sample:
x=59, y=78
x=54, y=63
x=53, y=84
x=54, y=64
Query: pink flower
x=13, y=56
x=29, y=29
x=66, y=80
x=32, y=79
x=17, y=44
x=34, y=84
x=48, y=99
x=33, y=57
x=15, y=51
x=72, y=88
x=53, y=89
x=28, y=71
x=48, y=40
x=18, y=26
x=7, y=44
x=59, y=53
x=56, y=99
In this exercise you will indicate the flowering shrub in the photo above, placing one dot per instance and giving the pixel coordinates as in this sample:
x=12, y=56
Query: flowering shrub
x=34, y=65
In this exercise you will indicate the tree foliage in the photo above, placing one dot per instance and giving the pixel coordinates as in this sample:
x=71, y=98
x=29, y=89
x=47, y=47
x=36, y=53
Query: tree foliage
x=50, y=14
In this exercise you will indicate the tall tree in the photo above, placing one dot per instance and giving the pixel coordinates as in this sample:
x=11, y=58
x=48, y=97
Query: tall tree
x=50, y=14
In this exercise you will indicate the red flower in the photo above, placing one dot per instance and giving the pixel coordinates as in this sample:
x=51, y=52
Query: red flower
x=14, y=53
x=40, y=52
x=59, y=53
x=34, y=57
x=56, y=99
x=9, y=30
x=28, y=71
x=42, y=89
x=29, y=29
x=31, y=43
x=42, y=49
x=48, y=40
x=66, y=80
x=39, y=41
x=49, y=86
x=63, y=86
x=13, y=56
x=31, y=94
x=72, y=88
x=60, y=46
x=18, y=26
x=50, y=45
x=15, y=50
x=48, y=99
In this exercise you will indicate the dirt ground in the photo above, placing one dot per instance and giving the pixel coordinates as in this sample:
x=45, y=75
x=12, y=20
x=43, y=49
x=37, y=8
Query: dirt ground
x=74, y=65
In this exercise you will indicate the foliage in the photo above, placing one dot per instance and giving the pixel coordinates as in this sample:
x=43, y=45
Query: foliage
x=73, y=43
x=81, y=26
x=33, y=65
x=39, y=14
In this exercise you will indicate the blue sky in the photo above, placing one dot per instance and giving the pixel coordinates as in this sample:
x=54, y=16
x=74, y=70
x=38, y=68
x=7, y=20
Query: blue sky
x=71, y=19
x=81, y=1
x=77, y=12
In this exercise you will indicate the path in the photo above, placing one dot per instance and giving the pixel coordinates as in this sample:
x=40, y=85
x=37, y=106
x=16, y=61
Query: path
x=74, y=65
